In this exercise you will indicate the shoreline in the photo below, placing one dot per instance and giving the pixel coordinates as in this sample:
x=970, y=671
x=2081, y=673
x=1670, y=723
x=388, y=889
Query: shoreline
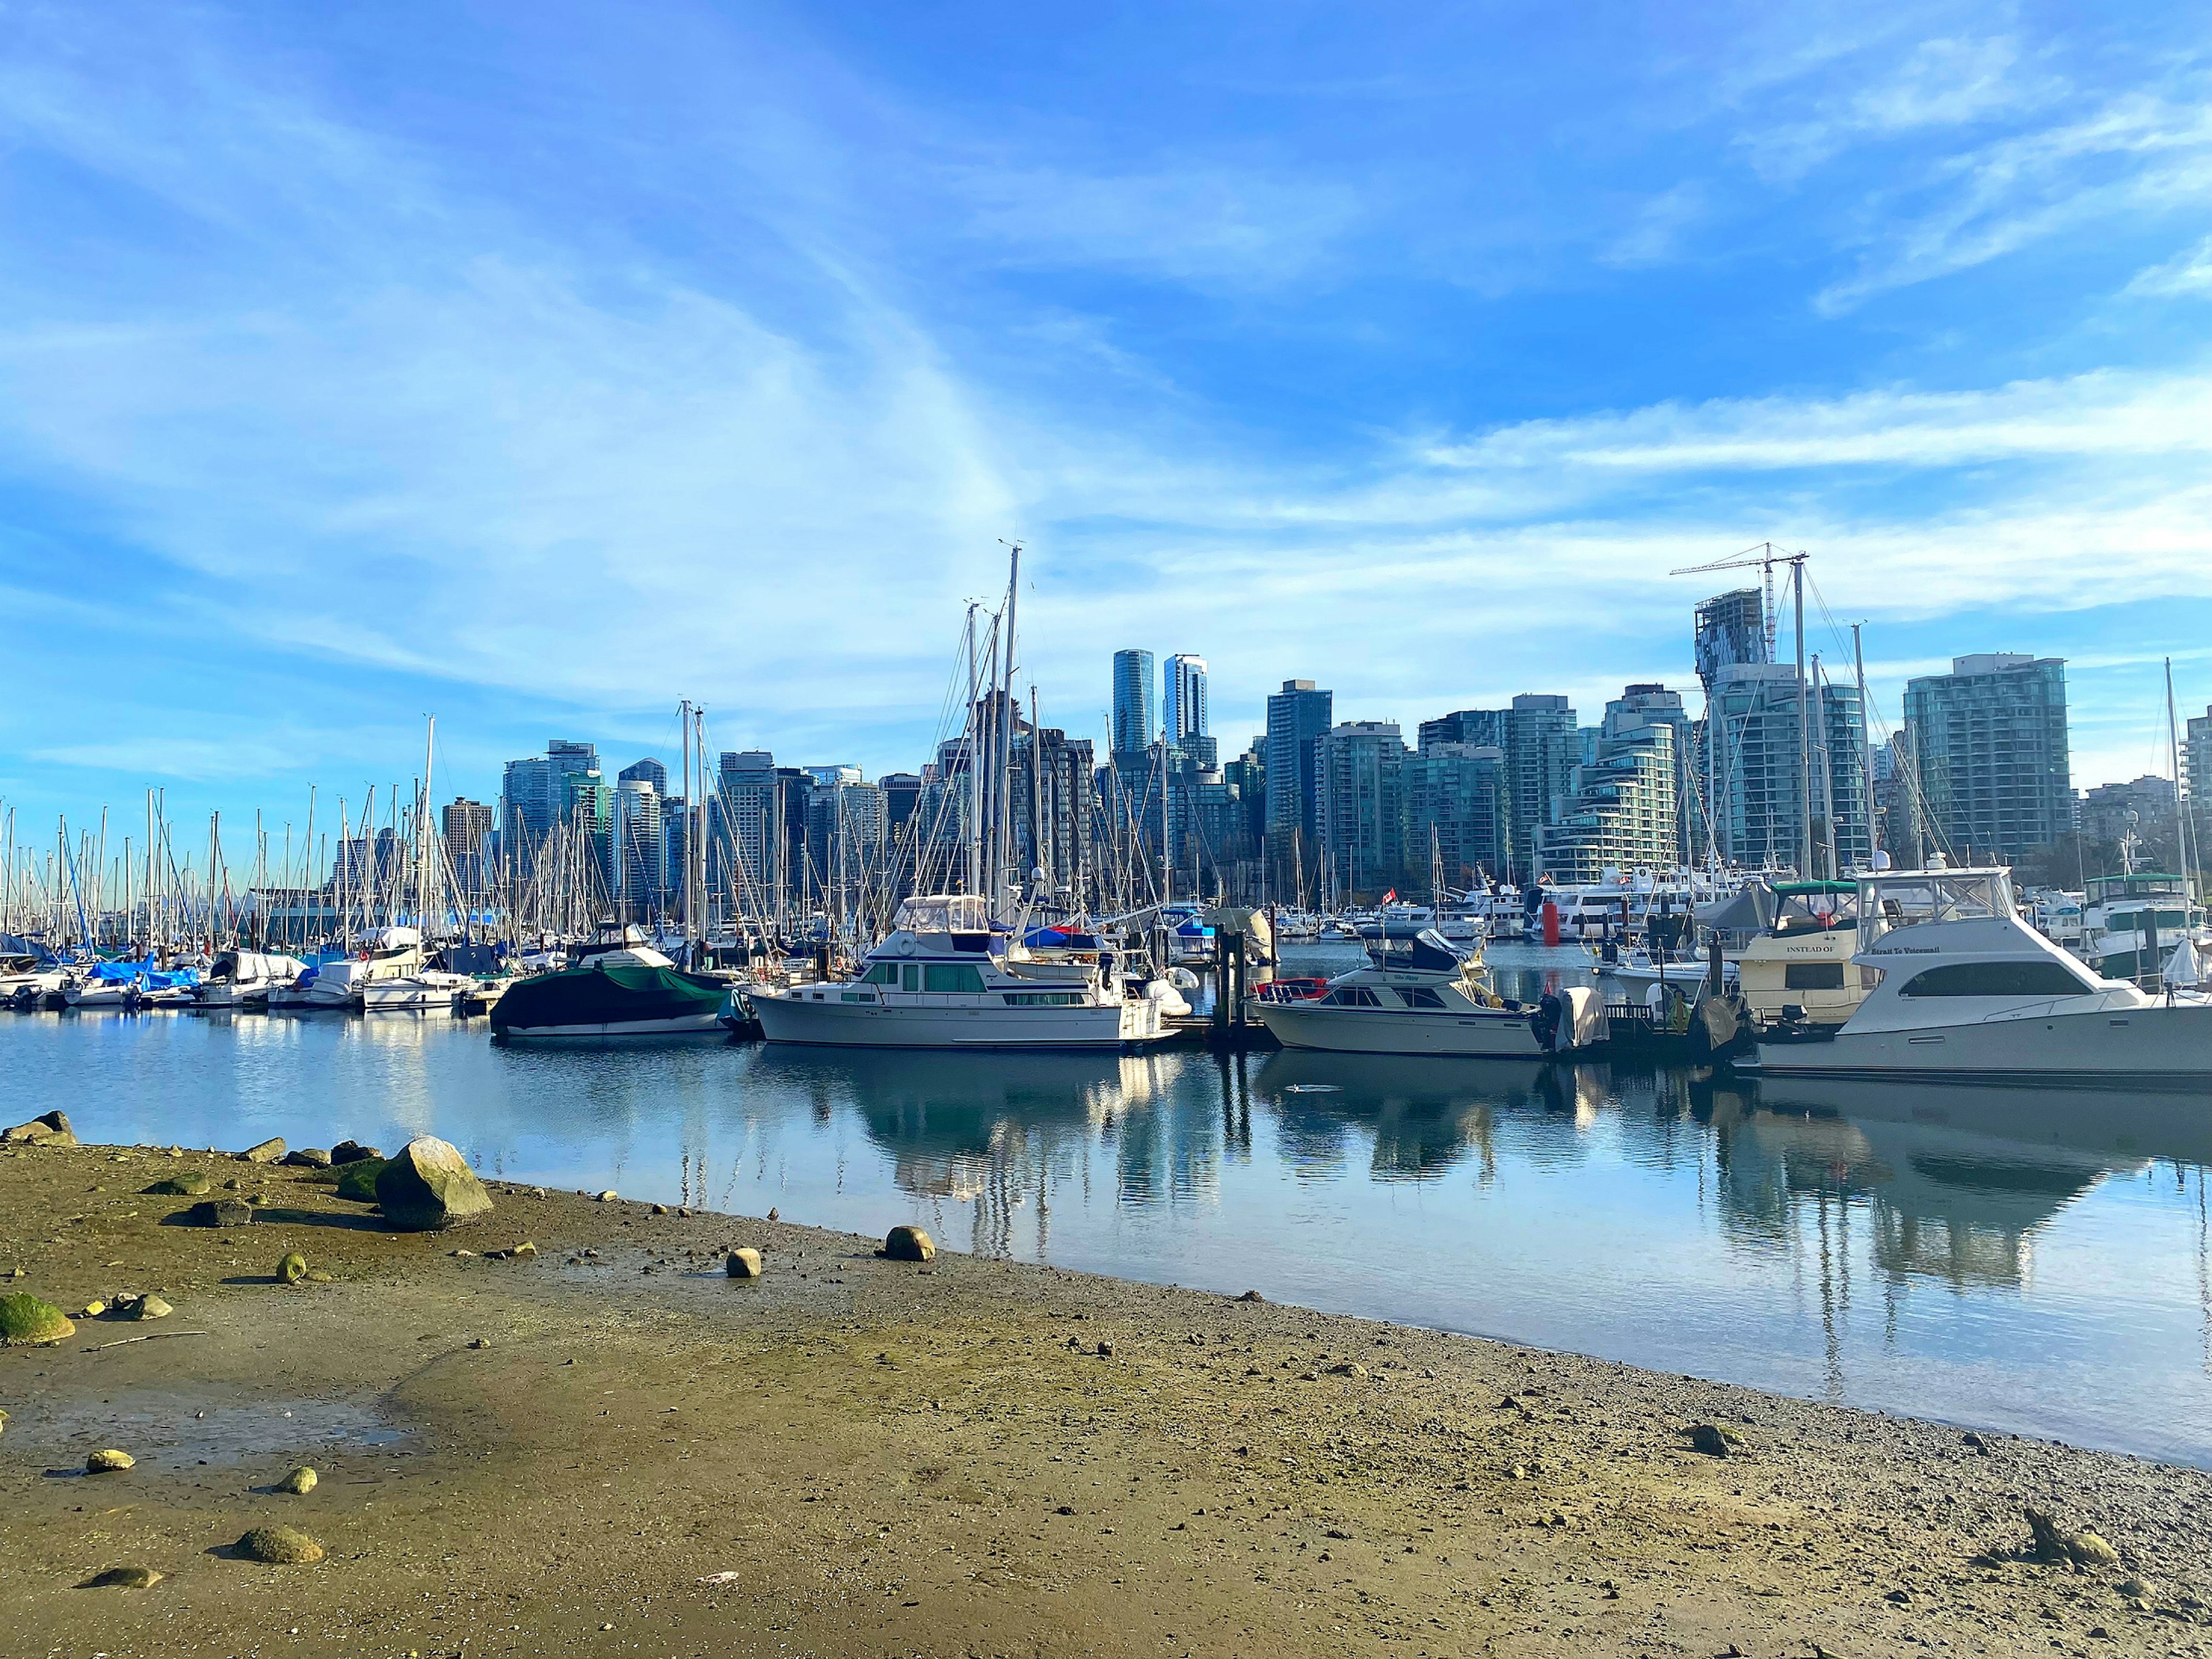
x=894, y=1458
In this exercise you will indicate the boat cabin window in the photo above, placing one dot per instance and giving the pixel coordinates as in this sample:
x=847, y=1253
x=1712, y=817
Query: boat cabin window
x=1419, y=996
x=1813, y=977
x=1354, y=996
x=950, y=977
x=1994, y=979
x=1044, y=999
x=881, y=973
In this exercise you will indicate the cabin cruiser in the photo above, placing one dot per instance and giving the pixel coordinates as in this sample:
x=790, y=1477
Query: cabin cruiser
x=617, y=986
x=1964, y=988
x=2132, y=922
x=944, y=978
x=243, y=979
x=448, y=977
x=1430, y=1000
x=1395, y=919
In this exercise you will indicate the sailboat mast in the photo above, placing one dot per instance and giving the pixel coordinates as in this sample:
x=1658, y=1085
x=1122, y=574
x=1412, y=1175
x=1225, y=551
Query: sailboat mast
x=2182, y=805
x=1003, y=839
x=1866, y=746
x=1804, y=733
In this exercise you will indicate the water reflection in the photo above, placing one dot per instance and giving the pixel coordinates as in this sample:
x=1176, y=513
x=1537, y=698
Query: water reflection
x=2000, y=1256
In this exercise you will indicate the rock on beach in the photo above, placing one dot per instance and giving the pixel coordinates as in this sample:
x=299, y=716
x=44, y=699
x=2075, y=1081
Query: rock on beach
x=220, y=1212
x=744, y=1263
x=267, y=1151
x=283, y=1546
x=429, y=1186
x=27, y=1322
x=909, y=1244
x=123, y=1578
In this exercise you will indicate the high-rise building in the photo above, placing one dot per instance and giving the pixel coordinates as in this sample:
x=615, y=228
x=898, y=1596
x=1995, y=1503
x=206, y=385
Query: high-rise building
x=538, y=795
x=467, y=828
x=742, y=844
x=1458, y=810
x=1132, y=702
x=637, y=856
x=1731, y=631
x=2196, y=785
x=648, y=770
x=1182, y=712
x=1642, y=705
x=1543, y=746
x=1360, y=804
x=1480, y=728
x=1761, y=772
x=1989, y=739
x=1297, y=715
x=1620, y=812
x=1056, y=809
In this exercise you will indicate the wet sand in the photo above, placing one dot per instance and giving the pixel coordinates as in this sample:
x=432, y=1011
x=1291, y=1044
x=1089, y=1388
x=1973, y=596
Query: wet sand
x=888, y=1458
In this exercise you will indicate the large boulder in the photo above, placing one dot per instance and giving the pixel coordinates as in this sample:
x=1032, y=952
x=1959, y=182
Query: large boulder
x=909, y=1244
x=267, y=1151
x=220, y=1212
x=429, y=1186
x=27, y=1322
x=185, y=1183
x=352, y=1151
x=48, y=1129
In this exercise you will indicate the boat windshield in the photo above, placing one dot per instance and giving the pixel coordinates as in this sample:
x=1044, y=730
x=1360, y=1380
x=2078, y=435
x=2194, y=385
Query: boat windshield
x=1897, y=899
x=945, y=913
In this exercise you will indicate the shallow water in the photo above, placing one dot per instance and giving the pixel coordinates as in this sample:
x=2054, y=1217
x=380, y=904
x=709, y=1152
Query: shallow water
x=2031, y=1260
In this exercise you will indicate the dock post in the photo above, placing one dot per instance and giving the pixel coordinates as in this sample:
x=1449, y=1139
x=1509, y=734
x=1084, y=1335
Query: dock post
x=1220, y=981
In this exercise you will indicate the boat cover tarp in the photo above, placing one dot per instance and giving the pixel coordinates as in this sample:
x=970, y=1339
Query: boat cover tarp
x=2185, y=968
x=611, y=995
x=1750, y=909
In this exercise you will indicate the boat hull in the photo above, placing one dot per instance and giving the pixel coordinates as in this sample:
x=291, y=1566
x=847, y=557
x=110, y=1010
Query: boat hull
x=1389, y=1031
x=2106, y=1044
x=797, y=1017
x=706, y=1024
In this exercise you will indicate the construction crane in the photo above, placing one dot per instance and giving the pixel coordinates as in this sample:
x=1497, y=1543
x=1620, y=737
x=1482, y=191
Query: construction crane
x=1765, y=556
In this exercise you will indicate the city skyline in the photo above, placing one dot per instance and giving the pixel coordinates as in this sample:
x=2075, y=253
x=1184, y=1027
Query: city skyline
x=1405, y=356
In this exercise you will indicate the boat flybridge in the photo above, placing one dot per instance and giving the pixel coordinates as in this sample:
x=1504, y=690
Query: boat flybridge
x=1431, y=1000
x=1964, y=988
x=944, y=977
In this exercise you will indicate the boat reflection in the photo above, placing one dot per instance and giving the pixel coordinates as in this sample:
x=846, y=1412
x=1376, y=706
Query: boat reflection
x=1956, y=1181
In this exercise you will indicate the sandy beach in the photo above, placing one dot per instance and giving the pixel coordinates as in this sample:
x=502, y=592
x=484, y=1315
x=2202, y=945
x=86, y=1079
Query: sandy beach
x=610, y=1446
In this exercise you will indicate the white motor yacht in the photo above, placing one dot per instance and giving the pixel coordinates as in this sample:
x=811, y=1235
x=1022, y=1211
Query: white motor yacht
x=944, y=978
x=243, y=979
x=1967, y=989
x=1430, y=1000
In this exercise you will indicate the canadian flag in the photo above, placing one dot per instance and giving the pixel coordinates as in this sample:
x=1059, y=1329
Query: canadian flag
x=1390, y=897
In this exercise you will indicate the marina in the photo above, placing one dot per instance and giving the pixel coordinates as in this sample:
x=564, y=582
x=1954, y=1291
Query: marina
x=1982, y=1255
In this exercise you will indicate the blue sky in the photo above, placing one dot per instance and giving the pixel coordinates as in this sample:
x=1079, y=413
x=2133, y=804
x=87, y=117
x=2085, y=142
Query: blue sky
x=539, y=366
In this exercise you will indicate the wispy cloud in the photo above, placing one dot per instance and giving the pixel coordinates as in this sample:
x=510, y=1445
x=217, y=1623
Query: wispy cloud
x=2189, y=272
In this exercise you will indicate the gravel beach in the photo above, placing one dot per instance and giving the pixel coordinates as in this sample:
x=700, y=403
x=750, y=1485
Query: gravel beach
x=605, y=1444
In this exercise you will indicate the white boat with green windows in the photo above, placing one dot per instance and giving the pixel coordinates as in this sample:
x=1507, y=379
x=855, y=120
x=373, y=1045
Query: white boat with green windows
x=2134, y=921
x=945, y=978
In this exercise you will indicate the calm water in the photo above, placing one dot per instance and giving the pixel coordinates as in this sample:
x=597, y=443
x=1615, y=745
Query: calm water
x=2029, y=1260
